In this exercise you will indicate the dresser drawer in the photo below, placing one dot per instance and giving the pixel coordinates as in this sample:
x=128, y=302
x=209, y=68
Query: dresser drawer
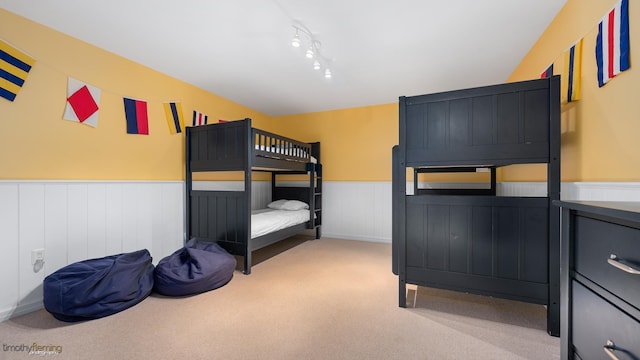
x=595, y=321
x=595, y=242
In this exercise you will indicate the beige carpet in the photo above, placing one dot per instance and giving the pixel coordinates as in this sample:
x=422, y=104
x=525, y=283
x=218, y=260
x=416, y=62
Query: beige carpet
x=315, y=299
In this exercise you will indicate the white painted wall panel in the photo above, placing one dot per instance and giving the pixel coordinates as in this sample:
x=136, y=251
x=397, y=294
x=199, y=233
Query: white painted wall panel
x=31, y=236
x=9, y=249
x=77, y=222
x=357, y=210
x=622, y=191
x=55, y=225
x=382, y=215
x=114, y=218
x=173, y=221
x=96, y=224
x=158, y=221
x=129, y=218
x=144, y=215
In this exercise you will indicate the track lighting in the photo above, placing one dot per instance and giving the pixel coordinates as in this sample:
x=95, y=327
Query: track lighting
x=304, y=36
x=296, y=40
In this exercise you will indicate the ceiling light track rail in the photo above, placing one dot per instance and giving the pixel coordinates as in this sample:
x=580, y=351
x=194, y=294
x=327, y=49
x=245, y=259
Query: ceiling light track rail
x=304, y=38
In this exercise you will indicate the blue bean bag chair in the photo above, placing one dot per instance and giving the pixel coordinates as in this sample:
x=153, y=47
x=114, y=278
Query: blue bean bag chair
x=195, y=268
x=100, y=287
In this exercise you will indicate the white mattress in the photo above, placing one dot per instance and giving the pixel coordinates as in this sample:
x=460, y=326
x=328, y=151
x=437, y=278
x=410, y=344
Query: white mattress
x=266, y=221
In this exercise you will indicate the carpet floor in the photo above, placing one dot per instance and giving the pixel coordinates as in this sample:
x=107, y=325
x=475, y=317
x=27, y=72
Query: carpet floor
x=305, y=299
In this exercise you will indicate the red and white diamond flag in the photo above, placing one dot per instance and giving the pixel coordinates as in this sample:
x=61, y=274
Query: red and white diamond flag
x=82, y=103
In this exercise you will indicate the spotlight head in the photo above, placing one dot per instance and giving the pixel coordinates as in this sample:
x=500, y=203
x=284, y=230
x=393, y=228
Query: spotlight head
x=309, y=53
x=327, y=74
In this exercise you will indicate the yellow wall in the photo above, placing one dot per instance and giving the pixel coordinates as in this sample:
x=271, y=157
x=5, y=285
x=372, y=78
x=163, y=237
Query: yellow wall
x=35, y=143
x=598, y=139
x=355, y=143
x=600, y=131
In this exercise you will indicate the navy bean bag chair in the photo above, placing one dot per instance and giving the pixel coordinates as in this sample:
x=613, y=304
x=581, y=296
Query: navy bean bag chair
x=95, y=288
x=195, y=268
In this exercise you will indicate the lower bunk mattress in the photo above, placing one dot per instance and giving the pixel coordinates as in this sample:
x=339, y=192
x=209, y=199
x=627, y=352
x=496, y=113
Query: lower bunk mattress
x=266, y=221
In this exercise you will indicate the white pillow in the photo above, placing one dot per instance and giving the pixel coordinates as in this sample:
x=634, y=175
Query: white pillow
x=294, y=205
x=277, y=205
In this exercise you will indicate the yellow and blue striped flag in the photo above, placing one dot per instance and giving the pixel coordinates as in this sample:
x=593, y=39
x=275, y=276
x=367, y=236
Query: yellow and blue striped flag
x=14, y=68
x=572, y=72
x=175, y=118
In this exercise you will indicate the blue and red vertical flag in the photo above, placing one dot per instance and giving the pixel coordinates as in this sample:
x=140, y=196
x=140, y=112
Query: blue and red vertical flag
x=547, y=73
x=612, y=43
x=136, y=114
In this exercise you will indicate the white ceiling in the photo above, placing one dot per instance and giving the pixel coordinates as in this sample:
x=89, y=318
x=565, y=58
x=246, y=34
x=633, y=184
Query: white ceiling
x=241, y=49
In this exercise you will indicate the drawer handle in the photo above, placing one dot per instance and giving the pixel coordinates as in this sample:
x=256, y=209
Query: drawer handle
x=613, y=261
x=609, y=348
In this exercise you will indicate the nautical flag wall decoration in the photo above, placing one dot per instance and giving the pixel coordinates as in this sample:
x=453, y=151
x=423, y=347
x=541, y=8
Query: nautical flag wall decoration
x=199, y=118
x=14, y=68
x=612, y=43
x=175, y=119
x=547, y=73
x=82, y=103
x=572, y=73
x=136, y=115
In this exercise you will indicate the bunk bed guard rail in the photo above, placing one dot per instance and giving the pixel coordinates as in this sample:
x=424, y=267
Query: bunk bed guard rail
x=267, y=144
x=236, y=146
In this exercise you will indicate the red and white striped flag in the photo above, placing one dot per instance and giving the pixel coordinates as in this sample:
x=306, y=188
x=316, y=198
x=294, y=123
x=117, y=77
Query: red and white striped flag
x=612, y=43
x=199, y=118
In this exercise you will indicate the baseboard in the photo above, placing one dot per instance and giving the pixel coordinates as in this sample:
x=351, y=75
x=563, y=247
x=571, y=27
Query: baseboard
x=21, y=309
x=385, y=240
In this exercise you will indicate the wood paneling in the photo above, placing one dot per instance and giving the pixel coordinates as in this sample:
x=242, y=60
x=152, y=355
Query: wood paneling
x=75, y=221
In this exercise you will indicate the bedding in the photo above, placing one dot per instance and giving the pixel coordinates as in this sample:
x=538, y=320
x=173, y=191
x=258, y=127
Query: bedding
x=277, y=205
x=294, y=205
x=265, y=221
x=284, y=204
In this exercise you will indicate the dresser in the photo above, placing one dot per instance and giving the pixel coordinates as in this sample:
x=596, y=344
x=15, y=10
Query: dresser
x=600, y=280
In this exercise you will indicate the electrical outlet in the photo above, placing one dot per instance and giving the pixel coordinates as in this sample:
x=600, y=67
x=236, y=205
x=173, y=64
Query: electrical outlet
x=37, y=255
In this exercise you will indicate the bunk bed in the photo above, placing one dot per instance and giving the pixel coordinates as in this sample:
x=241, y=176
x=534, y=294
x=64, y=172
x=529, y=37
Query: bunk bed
x=225, y=216
x=470, y=239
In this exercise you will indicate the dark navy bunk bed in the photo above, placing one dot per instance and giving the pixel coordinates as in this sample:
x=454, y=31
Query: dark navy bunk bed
x=224, y=217
x=469, y=239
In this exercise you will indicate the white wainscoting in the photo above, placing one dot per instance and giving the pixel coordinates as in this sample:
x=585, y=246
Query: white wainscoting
x=78, y=220
x=585, y=191
x=357, y=210
x=350, y=210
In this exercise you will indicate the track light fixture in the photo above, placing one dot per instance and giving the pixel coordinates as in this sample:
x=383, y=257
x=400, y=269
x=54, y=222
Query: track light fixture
x=296, y=40
x=304, y=36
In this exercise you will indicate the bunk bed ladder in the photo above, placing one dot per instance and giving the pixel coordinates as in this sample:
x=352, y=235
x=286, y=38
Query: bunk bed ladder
x=315, y=197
